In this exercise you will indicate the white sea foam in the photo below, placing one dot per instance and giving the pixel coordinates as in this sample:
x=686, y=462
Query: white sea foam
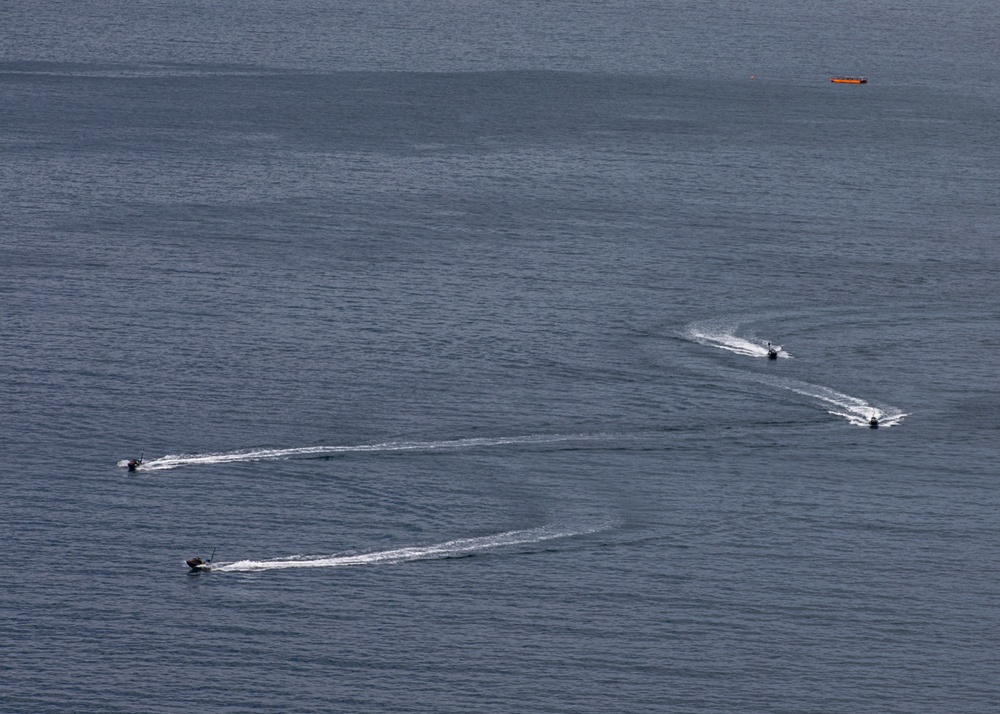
x=723, y=336
x=856, y=410
x=449, y=549
x=175, y=461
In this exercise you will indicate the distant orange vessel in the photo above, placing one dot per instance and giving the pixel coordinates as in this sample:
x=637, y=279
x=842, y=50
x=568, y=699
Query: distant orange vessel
x=849, y=80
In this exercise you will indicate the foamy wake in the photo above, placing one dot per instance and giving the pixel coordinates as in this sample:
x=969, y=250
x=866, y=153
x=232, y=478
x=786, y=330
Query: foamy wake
x=857, y=411
x=449, y=549
x=175, y=461
x=723, y=336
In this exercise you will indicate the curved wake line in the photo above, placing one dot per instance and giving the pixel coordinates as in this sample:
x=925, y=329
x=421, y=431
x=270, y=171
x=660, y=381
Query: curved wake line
x=857, y=411
x=723, y=337
x=175, y=461
x=449, y=549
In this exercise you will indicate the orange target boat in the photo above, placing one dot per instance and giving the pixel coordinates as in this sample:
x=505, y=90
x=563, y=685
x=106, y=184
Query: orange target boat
x=849, y=80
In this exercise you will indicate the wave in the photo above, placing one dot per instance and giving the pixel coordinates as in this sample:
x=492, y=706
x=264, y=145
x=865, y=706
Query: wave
x=855, y=410
x=439, y=551
x=53, y=69
x=172, y=461
x=722, y=335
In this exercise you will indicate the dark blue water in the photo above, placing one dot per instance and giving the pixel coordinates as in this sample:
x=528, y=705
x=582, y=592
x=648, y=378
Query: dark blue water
x=444, y=327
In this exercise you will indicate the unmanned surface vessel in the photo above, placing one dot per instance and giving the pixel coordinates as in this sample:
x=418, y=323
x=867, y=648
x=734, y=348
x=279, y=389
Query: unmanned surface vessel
x=197, y=563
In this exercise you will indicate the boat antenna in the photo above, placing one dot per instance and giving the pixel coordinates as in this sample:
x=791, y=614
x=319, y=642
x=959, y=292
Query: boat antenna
x=213, y=556
x=141, y=454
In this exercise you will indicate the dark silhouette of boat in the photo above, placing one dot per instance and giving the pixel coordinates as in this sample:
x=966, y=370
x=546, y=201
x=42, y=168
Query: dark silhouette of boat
x=197, y=563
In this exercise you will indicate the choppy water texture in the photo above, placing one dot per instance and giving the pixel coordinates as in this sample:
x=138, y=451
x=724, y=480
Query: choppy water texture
x=445, y=329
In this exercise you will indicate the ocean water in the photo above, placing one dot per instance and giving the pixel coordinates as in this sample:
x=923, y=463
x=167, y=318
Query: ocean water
x=441, y=329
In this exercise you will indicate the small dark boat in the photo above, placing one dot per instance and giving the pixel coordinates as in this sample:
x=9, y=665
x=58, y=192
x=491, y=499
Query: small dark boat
x=134, y=464
x=197, y=563
x=873, y=422
x=772, y=352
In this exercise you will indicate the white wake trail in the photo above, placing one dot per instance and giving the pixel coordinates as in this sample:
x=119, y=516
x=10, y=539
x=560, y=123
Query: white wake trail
x=449, y=549
x=857, y=411
x=173, y=461
x=723, y=336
